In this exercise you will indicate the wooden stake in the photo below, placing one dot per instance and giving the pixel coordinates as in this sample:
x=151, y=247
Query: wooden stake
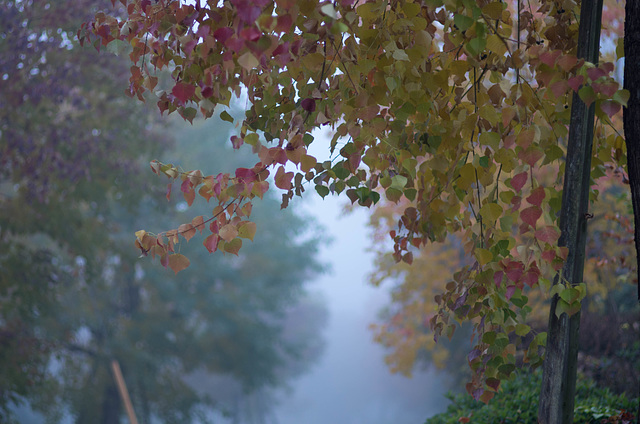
x=124, y=393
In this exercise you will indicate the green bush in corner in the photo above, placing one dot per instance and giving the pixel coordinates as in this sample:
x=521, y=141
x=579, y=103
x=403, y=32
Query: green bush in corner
x=517, y=402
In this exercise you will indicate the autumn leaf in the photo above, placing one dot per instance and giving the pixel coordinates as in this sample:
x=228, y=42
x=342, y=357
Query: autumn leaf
x=228, y=232
x=187, y=231
x=233, y=246
x=518, y=181
x=548, y=234
x=531, y=215
x=247, y=229
x=183, y=92
x=177, y=262
x=211, y=242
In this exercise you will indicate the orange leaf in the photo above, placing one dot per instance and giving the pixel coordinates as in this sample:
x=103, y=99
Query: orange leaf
x=187, y=231
x=228, y=232
x=198, y=223
x=178, y=262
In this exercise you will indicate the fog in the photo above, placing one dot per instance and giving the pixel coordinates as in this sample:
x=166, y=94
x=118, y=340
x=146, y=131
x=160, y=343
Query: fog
x=351, y=383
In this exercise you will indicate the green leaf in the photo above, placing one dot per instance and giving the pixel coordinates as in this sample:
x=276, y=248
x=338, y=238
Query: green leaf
x=476, y=45
x=398, y=182
x=463, y=22
x=119, y=47
x=490, y=212
x=233, y=246
x=226, y=117
x=322, y=190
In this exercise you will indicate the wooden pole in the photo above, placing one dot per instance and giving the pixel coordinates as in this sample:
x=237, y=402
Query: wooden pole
x=560, y=365
x=124, y=393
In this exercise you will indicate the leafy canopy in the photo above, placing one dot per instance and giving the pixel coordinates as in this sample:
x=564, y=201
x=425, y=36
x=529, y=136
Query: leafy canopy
x=459, y=107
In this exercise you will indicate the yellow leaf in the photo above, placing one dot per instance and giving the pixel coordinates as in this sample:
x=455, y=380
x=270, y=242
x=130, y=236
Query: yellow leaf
x=493, y=10
x=467, y=176
x=483, y=256
x=490, y=212
x=247, y=229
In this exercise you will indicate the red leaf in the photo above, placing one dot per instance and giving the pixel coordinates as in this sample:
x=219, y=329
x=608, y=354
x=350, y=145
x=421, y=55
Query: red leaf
x=608, y=89
x=246, y=175
x=169, y=191
x=515, y=201
x=549, y=58
x=548, y=255
x=211, y=243
x=575, y=82
x=549, y=235
x=531, y=155
x=519, y=181
x=183, y=92
x=222, y=34
x=607, y=67
x=497, y=278
x=609, y=107
x=308, y=104
x=250, y=34
x=185, y=187
x=536, y=197
x=531, y=215
x=514, y=270
x=284, y=23
x=532, y=276
x=595, y=73
x=559, y=88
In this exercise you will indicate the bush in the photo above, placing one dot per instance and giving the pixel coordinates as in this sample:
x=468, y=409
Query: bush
x=517, y=402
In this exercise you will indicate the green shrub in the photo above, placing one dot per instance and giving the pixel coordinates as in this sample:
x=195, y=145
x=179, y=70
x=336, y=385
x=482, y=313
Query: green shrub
x=517, y=402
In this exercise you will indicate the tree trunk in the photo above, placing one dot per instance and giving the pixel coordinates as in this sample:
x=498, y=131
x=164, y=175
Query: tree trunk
x=559, y=375
x=632, y=113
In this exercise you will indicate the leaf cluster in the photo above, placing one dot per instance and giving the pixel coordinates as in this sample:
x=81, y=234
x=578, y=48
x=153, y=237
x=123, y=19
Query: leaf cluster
x=456, y=109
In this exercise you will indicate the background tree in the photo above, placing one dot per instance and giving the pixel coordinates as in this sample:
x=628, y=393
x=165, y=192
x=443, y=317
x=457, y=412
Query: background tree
x=57, y=158
x=74, y=294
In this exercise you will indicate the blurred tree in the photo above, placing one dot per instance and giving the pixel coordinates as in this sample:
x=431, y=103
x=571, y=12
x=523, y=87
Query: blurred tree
x=610, y=312
x=72, y=298
x=63, y=133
